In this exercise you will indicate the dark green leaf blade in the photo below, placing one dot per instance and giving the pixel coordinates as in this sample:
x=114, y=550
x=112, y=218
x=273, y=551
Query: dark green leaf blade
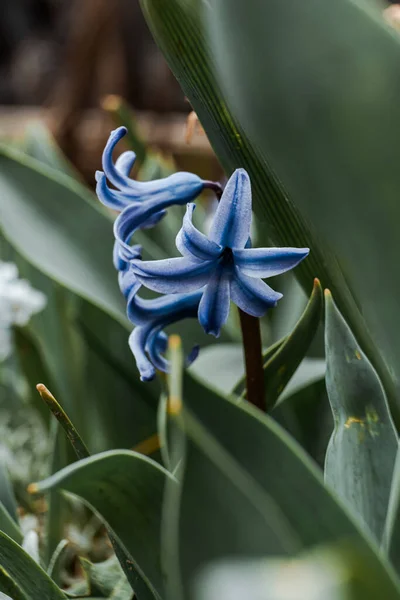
x=362, y=450
x=49, y=218
x=7, y=497
x=27, y=574
x=126, y=488
x=303, y=93
x=251, y=442
x=8, y=525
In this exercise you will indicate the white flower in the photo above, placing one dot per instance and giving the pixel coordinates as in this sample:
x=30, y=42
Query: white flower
x=18, y=302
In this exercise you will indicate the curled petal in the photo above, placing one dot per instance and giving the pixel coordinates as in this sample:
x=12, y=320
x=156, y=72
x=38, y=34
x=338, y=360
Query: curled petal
x=191, y=242
x=155, y=349
x=232, y=220
x=146, y=341
x=268, y=262
x=117, y=200
x=110, y=198
x=214, y=304
x=141, y=310
x=132, y=217
x=137, y=344
x=179, y=185
x=123, y=254
x=253, y=296
x=173, y=275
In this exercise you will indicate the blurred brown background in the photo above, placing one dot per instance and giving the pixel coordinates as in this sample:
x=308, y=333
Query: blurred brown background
x=60, y=58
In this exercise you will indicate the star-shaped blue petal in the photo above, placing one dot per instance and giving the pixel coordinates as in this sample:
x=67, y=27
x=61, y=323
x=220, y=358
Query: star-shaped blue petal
x=221, y=264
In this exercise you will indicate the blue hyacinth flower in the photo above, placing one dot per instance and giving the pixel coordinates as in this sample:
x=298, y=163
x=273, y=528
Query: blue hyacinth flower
x=221, y=265
x=148, y=341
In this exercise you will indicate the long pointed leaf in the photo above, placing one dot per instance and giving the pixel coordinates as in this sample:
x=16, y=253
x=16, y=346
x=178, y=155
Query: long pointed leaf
x=27, y=574
x=362, y=450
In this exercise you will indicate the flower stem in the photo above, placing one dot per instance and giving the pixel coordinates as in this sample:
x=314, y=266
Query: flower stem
x=251, y=335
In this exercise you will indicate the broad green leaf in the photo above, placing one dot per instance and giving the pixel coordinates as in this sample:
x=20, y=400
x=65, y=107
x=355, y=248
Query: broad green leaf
x=362, y=450
x=82, y=355
x=54, y=349
x=219, y=505
x=81, y=452
x=178, y=27
x=328, y=573
x=126, y=489
x=11, y=590
x=29, y=577
x=49, y=218
x=234, y=446
x=111, y=373
x=315, y=87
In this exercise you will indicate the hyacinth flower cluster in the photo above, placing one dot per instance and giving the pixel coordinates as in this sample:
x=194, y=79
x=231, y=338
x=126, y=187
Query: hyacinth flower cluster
x=212, y=271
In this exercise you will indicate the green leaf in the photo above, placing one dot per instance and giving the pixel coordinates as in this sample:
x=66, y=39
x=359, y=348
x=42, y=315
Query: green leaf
x=320, y=131
x=8, y=525
x=306, y=415
x=7, y=497
x=179, y=29
x=27, y=574
x=362, y=450
x=279, y=369
x=111, y=373
x=235, y=449
x=219, y=366
x=83, y=356
x=10, y=588
x=126, y=488
x=50, y=219
x=40, y=144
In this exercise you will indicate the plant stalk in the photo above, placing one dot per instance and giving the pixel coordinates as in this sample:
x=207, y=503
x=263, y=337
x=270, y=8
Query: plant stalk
x=251, y=334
